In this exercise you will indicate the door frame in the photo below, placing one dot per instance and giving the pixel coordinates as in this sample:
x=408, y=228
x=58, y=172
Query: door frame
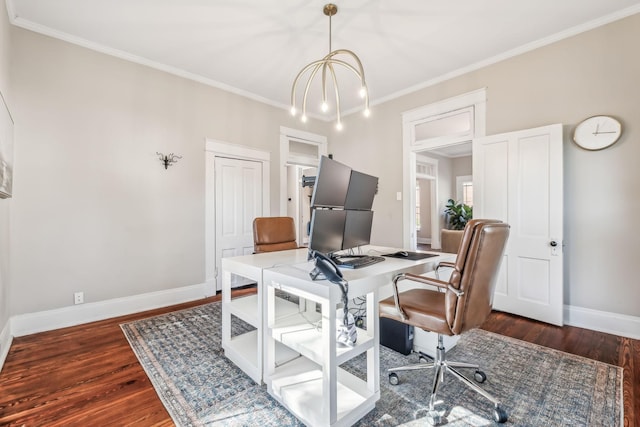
x=411, y=147
x=287, y=158
x=215, y=148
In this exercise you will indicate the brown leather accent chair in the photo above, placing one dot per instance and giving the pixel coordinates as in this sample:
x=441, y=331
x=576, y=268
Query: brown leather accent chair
x=276, y=233
x=454, y=306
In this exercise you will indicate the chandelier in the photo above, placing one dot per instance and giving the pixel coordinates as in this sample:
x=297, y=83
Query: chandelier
x=327, y=65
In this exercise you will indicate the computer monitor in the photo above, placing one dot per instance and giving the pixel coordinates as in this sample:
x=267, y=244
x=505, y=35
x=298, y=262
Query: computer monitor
x=362, y=189
x=357, y=229
x=327, y=228
x=331, y=185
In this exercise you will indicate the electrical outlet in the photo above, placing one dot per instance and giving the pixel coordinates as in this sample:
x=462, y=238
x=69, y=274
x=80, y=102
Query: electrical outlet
x=78, y=298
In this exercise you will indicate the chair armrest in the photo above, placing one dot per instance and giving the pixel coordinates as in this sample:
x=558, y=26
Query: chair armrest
x=443, y=264
x=415, y=278
x=420, y=279
x=446, y=264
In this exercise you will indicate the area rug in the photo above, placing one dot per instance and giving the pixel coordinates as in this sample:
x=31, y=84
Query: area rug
x=182, y=355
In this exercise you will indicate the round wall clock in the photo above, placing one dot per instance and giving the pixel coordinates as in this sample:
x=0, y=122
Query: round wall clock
x=597, y=132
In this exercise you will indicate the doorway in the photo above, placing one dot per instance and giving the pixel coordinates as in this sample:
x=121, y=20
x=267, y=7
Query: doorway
x=300, y=154
x=441, y=131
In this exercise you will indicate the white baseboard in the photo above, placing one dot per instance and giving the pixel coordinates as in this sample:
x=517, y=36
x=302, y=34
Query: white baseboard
x=30, y=323
x=5, y=342
x=424, y=240
x=602, y=321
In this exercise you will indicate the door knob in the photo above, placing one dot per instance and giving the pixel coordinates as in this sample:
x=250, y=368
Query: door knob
x=553, y=243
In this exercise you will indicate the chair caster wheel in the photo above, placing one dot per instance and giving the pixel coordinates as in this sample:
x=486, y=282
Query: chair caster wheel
x=434, y=418
x=500, y=415
x=424, y=358
x=479, y=376
x=393, y=379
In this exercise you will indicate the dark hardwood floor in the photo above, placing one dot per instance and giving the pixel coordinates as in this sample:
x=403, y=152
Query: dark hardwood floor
x=87, y=375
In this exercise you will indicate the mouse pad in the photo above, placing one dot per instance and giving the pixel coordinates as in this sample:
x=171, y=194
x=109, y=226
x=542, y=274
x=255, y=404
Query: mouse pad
x=411, y=256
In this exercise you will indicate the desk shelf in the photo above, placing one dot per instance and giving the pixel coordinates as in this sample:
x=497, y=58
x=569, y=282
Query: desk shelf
x=313, y=386
x=299, y=333
x=246, y=350
x=298, y=386
x=246, y=308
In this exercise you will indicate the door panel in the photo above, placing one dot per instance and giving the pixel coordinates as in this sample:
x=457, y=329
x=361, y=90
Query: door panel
x=238, y=202
x=518, y=179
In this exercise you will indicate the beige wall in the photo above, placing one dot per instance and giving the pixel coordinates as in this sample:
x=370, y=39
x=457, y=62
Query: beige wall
x=5, y=44
x=592, y=73
x=94, y=209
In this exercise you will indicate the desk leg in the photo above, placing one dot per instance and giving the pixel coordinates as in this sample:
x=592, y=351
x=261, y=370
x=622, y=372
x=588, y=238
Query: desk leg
x=373, y=354
x=226, y=300
x=329, y=368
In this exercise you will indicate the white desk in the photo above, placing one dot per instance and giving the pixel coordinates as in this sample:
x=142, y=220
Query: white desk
x=312, y=386
x=246, y=350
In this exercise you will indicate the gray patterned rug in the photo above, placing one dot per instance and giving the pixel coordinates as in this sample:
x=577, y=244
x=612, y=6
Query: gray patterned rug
x=182, y=355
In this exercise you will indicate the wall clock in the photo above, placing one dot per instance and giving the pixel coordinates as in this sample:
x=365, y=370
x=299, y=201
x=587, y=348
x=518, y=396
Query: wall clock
x=597, y=132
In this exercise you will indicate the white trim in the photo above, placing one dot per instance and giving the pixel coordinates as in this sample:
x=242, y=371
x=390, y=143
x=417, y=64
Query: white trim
x=570, y=32
x=5, y=342
x=303, y=135
x=602, y=321
x=611, y=323
x=236, y=151
x=31, y=323
x=47, y=31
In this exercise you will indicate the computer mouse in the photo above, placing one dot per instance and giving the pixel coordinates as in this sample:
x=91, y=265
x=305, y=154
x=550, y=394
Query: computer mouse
x=402, y=253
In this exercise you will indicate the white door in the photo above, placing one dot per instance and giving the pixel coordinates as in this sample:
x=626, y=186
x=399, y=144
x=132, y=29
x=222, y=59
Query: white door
x=238, y=202
x=517, y=178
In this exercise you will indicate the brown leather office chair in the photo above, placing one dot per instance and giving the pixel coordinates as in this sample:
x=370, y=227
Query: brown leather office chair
x=458, y=305
x=276, y=233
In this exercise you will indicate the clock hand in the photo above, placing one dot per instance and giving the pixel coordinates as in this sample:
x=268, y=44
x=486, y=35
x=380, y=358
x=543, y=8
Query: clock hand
x=597, y=128
x=599, y=133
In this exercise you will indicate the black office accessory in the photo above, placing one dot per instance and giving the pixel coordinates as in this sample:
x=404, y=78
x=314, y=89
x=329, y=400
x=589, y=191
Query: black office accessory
x=362, y=189
x=356, y=261
x=331, y=184
x=347, y=333
x=327, y=230
x=396, y=335
x=411, y=256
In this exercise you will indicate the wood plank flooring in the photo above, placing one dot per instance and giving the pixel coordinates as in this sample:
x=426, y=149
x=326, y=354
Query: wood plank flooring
x=87, y=375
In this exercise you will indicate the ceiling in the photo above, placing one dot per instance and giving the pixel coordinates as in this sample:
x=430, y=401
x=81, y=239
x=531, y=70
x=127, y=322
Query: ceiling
x=256, y=47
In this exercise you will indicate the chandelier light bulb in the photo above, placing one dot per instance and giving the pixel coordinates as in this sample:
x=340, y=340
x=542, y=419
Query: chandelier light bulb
x=293, y=110
x=363, y=92
x=339, y=126
x=304, y=118
x=324, y=107
x=366, y=112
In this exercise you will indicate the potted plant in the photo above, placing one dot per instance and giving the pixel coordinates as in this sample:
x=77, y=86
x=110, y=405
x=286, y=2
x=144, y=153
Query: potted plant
x=457, y=215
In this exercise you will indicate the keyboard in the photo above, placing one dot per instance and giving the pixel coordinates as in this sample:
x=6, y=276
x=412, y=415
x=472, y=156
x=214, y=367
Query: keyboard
x=357, y=261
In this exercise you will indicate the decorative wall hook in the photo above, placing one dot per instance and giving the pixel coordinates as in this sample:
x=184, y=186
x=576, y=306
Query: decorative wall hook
x=169, y=159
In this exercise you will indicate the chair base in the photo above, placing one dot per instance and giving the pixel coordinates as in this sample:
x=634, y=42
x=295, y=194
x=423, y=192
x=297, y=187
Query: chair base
x=441, y=365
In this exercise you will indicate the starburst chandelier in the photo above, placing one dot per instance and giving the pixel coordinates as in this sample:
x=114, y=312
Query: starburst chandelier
x=327, y=65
